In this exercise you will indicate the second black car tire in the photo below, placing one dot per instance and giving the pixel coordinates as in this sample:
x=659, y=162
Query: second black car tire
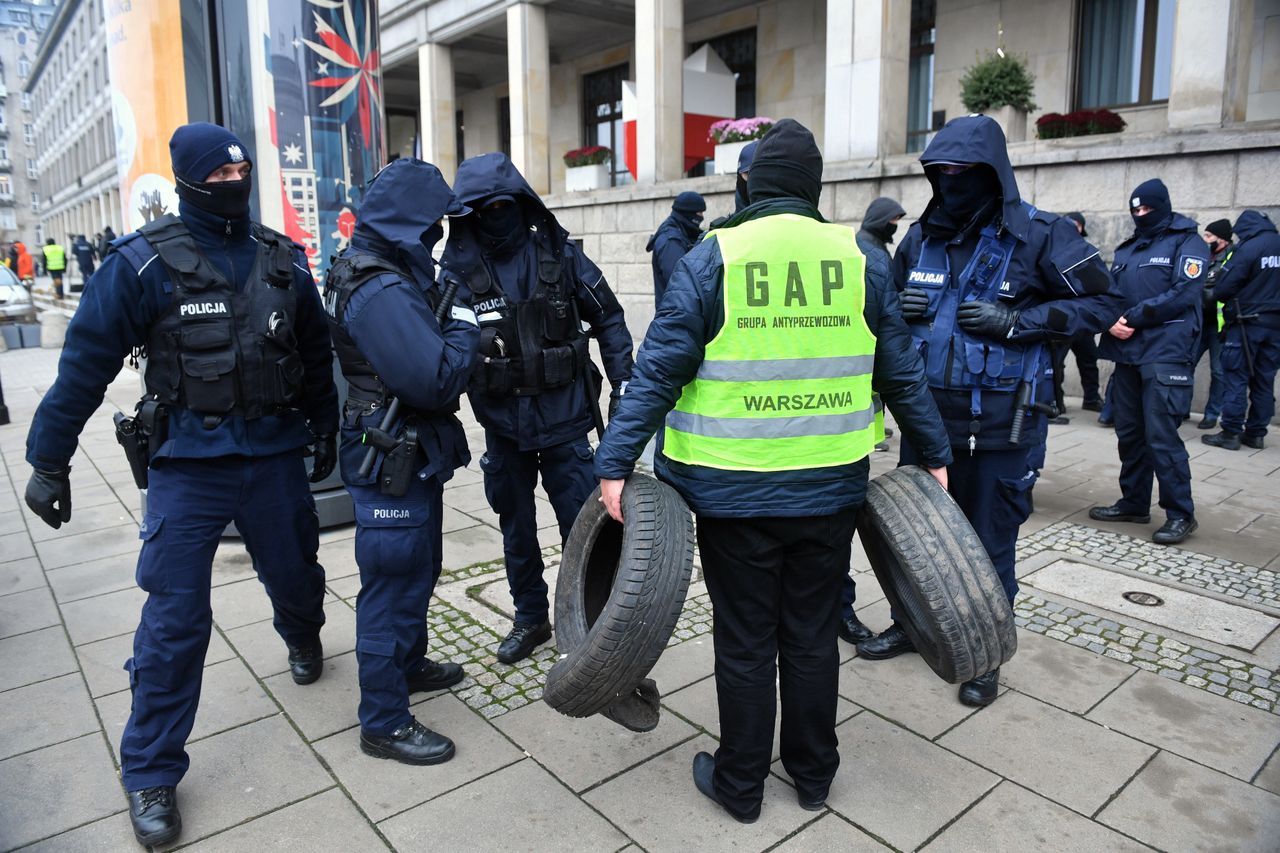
x=937, y=575
x=618, y=595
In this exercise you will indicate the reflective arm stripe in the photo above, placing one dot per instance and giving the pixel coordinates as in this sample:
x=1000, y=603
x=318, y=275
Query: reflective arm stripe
x=776, y=369
x=783, y=427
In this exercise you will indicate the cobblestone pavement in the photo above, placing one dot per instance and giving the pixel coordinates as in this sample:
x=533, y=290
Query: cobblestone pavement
x=1117, y=728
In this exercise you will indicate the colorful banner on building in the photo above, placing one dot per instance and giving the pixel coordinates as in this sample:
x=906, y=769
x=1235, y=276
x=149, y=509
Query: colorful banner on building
x=148, y=100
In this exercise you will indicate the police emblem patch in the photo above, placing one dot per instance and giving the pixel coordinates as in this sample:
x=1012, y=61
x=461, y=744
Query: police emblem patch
x=1192, y=267
x=234, y=152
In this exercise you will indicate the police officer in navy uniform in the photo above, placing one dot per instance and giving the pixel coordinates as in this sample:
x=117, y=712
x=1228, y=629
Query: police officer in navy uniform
x=382, y=300
x=534, y=387
x=987, y=282
x=674, y=238
x=1249, y=288
x=1160, y=271
x=239, y=359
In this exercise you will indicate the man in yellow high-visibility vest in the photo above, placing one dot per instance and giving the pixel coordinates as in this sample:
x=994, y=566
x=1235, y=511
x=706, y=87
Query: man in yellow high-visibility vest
x=55, y=263
x=759, y=370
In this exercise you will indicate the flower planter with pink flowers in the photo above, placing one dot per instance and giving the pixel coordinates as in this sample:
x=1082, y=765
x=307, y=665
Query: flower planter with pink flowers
x=731, y=136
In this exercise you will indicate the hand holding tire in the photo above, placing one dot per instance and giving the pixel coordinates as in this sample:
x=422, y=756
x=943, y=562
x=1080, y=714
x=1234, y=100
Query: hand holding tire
x=611, y=497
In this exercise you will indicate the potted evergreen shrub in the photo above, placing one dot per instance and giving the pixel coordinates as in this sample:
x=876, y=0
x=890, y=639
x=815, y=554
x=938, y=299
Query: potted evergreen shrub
x=588, y=168
x=1002, y=87
x=731, y=136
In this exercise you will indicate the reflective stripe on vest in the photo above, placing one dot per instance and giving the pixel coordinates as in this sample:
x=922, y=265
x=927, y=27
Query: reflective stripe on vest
x=786, y=383
x=55, y=258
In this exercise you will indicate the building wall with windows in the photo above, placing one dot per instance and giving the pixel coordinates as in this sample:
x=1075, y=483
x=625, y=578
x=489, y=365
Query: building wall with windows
x=71, y=125
x=21, y=24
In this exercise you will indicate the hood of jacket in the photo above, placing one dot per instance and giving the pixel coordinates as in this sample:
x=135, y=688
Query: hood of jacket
x=976, y=139
x=1252, y=223
x=400, y=206
x=879, y=212
x=494, y=174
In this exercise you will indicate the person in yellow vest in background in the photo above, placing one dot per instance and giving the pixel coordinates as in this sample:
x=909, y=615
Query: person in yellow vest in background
x=55, y=263
x=759, y=369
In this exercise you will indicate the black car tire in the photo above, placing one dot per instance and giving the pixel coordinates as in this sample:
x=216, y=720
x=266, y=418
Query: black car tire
x=937, y=575
x=618, y=596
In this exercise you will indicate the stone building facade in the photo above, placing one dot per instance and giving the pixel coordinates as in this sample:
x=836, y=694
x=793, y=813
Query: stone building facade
x=71, y=117
x=21, y=25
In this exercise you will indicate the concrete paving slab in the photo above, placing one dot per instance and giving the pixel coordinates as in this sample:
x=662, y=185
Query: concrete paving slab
x=552, y=820
x=93, y=577
x=906, y=691
x=383, y=788
x=27, y=611
x=102, y=616
x=35, y=656
x=1011, y=819
x=20, y=575
x=11, y=521
x=899, y=786
x=466, y=497
x=1225, y=735
x=326, y=706
x=1268, y=777
x=1185, y=612
x=45, y=713
x=62, y=786
x=339, y=559
x=1174, y=804
x=346, y=588
x=229, y=697
x=113, y=833
x=240, y=603
x=82, y=547
x=831, y=834
x=102, y=663
x=582, y=752
x=683, y=664
x=1058, y=755
x=231, y=563
x=86, y=520
x=325, y=823
x=658, y=806
x=470, y=546
x=266, y=653
x=16, y=546
x=1066, y=676
x=245, y=772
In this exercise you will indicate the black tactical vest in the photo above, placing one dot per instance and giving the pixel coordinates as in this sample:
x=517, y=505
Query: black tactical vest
x=532, y=346
x=215, y=351
x=346, y=275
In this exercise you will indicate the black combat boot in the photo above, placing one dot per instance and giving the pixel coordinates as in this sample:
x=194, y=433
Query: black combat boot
x=412, y=743
x=154, y=815
x=890, y=643
x=522, y=640
x=434, y=676
x=306, y=662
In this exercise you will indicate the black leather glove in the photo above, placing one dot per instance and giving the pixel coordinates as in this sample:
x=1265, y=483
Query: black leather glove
x=49, y=496
x=915, y=302
x=325, y=453
x=615, y=397
x=988, y=319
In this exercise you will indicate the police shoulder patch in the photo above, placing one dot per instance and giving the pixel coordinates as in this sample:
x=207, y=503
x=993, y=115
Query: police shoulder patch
x=1192, y=267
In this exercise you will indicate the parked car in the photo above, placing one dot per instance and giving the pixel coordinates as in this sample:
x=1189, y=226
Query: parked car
x=15, y=301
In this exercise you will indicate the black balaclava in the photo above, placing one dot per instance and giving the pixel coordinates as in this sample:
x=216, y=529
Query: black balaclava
x=196, y=150
x=787, y=164
x=876, y=221
x=969, y=192
x=687, y=210
x=501, y=229
x=745, y=156
x=1154, y=194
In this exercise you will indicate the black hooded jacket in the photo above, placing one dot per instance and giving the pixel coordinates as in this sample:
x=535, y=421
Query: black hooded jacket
x=558, y=415
x=1250, y=278
x=1055, y=279
x=674, y=238
x=875, y=234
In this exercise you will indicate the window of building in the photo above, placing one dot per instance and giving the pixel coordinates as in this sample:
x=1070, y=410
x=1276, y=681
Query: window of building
x=602, y=117
x=28, y=134
x=738, y=50
x=24, y=66
x=921, y=119
x=6, y=188
x=26, y=101
x=31, y=168
x=459, y=137
x=8, y=219
x=4, y=151
x=1126, y=52
x=17, y=16
x=504, y=125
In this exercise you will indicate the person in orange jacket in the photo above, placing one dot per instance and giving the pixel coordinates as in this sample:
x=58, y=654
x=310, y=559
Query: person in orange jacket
x=26, y=266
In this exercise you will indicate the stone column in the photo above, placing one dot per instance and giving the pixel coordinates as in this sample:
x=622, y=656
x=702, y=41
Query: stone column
x=660, y=90
x=868, y=48
x=437, y=110
x=1209, y=78
x=529, y=75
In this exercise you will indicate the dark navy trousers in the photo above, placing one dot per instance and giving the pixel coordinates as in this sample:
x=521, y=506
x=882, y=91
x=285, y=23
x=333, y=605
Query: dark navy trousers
x=189, y=504
x=1257, y=389
x=398, y=550
x=510, y=476
x=993, y=489
x=1211, y=342
x=1150, y=401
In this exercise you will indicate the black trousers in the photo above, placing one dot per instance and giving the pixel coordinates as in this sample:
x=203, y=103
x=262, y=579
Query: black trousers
x=775, y=592
x=1086, y=350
